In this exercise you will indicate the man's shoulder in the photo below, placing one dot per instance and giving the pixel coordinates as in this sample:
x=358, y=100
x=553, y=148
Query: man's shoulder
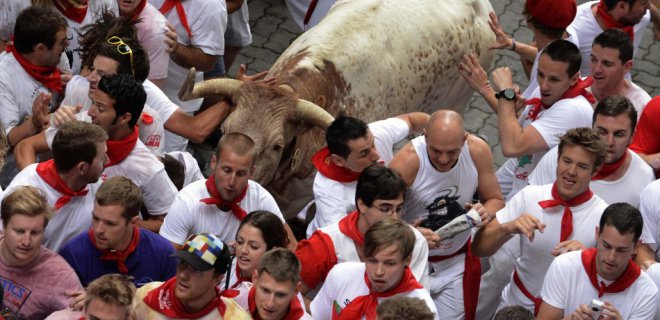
x=347, y=270
x=155, y=242
x=639, y=166
x=78, y=246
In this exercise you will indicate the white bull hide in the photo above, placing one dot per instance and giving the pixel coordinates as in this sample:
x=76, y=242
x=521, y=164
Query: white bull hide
x=394, y=56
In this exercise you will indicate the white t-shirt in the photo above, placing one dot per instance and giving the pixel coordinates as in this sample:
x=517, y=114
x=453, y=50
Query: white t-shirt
x=551, y=124
x=346, y=282
x=654, y=273
x=650, y=207
x=238, y=32
x=151, y=34
x=567, y=286
x=625, y=189
x=207, y=20
x=334, y=200
x=588, y=29
x=193, y=173
x=70, y=220
x=152, y=133
x=188, y=215
x=9, y=11
x=639, y=97
x=535, y=256
x=94, y=9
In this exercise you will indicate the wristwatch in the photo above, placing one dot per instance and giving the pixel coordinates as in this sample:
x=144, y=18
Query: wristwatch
x=508, y=94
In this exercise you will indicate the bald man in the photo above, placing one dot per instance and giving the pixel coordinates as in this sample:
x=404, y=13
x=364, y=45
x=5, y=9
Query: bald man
x=449, y=164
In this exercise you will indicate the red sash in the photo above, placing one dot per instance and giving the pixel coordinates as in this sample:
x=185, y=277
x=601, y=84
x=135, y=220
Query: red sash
x=48, y=76
x=163, y=300
x=578, y=89
x=215, y=199
x=118, y=150
x=295, y=309
x=119, y=256
x=326, y=167
x=71, y=10
x=348, y=226
x=48, y=173
x=366, y=305
x=609, y=168
x=567, y=218
x=168, y=5
x=537, y=301
x=610, y=22
x=471, y=278
x=623, y=282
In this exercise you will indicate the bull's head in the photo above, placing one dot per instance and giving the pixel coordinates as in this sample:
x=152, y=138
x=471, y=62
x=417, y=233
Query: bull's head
x=273, y=117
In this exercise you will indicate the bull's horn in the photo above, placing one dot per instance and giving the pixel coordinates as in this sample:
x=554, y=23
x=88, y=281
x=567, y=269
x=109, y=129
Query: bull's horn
x=217, y=87
x=313, y=114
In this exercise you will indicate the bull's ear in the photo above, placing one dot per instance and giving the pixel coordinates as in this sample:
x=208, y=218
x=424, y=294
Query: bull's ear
x=320, y=101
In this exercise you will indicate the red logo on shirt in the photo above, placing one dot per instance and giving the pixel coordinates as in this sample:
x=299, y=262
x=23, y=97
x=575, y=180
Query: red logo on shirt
x=153, y=141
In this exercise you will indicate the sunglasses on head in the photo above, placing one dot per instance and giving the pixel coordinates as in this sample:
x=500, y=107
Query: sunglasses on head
x=122, y=48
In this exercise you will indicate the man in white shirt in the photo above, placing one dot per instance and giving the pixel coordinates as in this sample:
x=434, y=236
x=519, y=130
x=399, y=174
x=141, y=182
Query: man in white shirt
x=605, y=273
x=565, y=214
x=31, y=76
x=650, y=208
x=69, y=180
x=220, y=203
x=594, y=17
x=448, y=164
x=353, y=290
x=195, y=39
x=624, y=174
x=352, y=145
x=611, y=60
x=380, y=193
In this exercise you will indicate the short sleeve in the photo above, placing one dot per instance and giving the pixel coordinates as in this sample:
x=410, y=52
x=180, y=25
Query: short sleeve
x=545, y=170
x=322, y=305
x=648, y=207
x=158, y=193
x=554, y=288
x=513, y=209
x=177, y=222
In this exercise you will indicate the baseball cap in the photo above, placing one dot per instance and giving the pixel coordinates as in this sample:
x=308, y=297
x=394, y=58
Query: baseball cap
x=556, y=14
x=205, y=251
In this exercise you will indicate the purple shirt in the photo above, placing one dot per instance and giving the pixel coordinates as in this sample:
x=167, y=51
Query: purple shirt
x=149, y=262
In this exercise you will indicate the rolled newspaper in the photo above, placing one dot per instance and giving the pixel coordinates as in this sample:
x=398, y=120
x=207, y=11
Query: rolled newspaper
x=459, y=224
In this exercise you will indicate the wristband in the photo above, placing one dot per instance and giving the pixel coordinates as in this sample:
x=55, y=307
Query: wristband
x=513, y=44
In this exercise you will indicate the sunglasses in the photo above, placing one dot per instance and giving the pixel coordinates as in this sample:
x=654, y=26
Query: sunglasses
x=122, y=48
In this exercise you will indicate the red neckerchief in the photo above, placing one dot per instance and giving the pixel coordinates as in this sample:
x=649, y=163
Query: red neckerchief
x=295, y=309
x=120, y=256
x=366, y=305
x=567, y=218
x=48, y=173
x=348, y=226
x=610, y=22
x=118, y=150
x=610, y=168
x=578, y=89
x=72, y=11
x=163, y=301
x=48, y=76
x=138, y=10
x=168, y=5
x=326, y=167
x=239, y=278
x=623, y=282
x=219, y=202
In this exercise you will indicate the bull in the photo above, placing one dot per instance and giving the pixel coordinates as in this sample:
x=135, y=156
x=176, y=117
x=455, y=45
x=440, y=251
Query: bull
x=370, y=59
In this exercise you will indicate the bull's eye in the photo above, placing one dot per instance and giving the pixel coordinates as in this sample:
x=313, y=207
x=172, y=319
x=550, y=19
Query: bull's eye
x=278, y=147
